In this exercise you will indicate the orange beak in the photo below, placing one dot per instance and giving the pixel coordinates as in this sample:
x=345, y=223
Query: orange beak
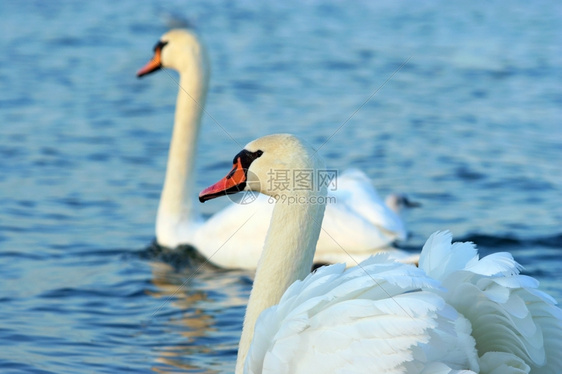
x=234, y=182
x=152, y=65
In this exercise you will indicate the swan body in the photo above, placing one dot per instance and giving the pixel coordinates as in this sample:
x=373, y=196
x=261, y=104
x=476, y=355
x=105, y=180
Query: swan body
x=369, y=318
x=356, y=225
x=455, y=313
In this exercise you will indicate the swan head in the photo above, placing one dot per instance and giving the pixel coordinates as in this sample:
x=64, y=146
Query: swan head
x=178, y=49
x=274, y=165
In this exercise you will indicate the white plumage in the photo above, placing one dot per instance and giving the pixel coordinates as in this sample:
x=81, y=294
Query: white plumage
x=507, y=311
x=387, y=317
x=363, y=320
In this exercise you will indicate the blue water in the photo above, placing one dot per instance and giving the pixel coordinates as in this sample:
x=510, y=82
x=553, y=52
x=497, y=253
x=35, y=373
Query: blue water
x=470, y=127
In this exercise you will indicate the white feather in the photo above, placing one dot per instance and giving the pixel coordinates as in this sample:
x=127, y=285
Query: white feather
x=507, y=312
x=371, y=311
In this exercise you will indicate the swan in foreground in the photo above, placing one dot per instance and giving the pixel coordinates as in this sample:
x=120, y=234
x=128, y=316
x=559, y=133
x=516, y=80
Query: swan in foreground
x=356, y=226
x=456, y=313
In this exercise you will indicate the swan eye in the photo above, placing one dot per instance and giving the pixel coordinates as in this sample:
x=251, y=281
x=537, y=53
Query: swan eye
x=159, y=46
x=246, y=157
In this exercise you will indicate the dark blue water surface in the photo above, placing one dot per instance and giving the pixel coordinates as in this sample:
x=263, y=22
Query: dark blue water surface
x=470, y=126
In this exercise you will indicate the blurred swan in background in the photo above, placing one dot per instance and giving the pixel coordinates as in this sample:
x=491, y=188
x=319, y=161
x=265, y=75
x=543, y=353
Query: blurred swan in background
x=358, y=224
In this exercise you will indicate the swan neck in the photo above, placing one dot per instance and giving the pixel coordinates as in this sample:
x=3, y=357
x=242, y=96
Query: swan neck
x=176, y=203
x=287, y=256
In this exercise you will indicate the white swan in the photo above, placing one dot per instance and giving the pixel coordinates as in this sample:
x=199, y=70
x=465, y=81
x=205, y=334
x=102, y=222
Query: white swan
x=356, y=226
x=456, y=313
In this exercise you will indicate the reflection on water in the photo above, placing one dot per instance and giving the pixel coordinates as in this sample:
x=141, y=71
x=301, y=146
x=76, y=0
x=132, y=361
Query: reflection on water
x=193, y=325
x=212, y=302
